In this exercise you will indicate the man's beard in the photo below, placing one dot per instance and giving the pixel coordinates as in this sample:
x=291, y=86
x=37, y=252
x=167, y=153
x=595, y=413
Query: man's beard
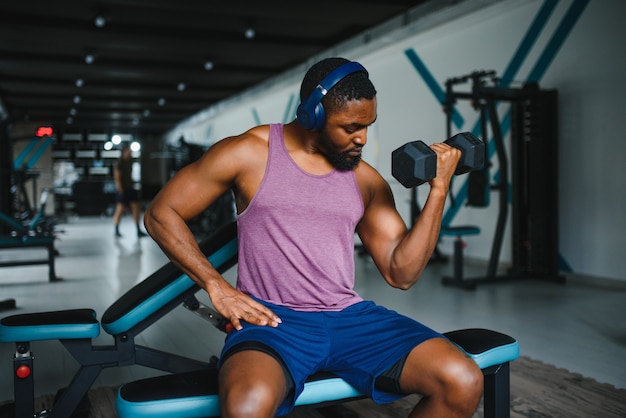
x=342, y=161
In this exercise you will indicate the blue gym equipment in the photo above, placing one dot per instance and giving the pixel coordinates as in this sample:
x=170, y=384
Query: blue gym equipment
x=189, y=388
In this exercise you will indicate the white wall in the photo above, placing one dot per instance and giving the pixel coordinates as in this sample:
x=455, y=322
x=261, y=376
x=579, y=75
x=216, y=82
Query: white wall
x=587, y=70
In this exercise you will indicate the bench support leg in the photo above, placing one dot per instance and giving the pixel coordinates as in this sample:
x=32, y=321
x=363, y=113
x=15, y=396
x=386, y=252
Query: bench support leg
x=51, y=271
x=72, y=396
x=23, y=384
x=497, y=398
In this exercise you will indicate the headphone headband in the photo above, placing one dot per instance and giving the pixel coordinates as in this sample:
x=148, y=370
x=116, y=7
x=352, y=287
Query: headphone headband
x=310, y=113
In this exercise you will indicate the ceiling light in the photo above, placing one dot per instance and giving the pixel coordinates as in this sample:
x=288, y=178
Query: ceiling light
x=146, y=113
x=77, y=99
x=108, y=145
x=135, y=146
x=208, y=65
x=79, y=82
x=181, y=87
x=116, y=139
x=161, y=101
x=249, y=33
x=69, y=120
x=73, y=111
x=89, y=58
x=100, y=21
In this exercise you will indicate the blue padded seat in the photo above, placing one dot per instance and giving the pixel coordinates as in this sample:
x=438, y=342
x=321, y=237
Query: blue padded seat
x=25, y=241
x=487, y=347
x=195, y=394
x=55, y=325
x=459, y=231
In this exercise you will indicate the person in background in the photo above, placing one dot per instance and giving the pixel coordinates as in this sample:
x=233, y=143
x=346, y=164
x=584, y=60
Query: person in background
x=127, y=198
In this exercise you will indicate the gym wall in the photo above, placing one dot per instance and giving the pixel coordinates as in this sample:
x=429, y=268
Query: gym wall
x=573, y=46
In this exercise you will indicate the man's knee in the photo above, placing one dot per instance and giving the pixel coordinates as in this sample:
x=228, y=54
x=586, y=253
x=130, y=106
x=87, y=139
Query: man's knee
x=248, y=399
x=464, y=374
x=251, y=384
x=449, y=380
x=458, y=388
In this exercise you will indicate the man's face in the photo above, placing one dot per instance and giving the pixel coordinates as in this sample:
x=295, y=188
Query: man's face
x=343, y=161
x=345, y=133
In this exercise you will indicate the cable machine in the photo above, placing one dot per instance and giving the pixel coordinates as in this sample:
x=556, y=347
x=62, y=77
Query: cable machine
x=533, y=188
x=6, y=165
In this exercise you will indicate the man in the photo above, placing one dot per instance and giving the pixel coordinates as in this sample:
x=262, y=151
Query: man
x=127, y=197
x=302, y=191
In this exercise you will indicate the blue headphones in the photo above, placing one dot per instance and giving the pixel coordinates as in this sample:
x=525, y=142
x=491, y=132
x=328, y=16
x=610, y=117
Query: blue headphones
x=310, y=114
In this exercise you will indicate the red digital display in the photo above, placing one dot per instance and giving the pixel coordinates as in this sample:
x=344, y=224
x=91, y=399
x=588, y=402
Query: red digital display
x=44, y=131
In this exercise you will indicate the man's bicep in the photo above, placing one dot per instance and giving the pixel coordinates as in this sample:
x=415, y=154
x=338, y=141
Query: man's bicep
x=382, y=226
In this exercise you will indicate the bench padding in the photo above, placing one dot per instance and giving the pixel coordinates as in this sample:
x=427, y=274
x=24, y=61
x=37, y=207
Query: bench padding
x=195, y=394
x=55, y=325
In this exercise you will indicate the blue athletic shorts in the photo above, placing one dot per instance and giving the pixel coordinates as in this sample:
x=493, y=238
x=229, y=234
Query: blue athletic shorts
x=358, y=344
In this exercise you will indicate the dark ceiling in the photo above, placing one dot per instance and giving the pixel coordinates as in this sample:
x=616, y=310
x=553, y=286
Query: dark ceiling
x=147, y=50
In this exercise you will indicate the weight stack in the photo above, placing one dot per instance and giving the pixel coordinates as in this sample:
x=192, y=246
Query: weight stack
x=534, y=177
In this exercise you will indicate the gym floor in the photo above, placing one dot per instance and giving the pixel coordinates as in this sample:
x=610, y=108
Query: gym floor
x=579, y=326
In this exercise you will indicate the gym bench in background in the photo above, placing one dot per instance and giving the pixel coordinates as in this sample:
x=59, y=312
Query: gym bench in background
x=38, y=232
x=124, y=320
x=7, y=243
x=190, y=387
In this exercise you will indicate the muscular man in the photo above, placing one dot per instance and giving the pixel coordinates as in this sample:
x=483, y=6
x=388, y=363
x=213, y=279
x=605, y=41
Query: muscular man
x=302, y=191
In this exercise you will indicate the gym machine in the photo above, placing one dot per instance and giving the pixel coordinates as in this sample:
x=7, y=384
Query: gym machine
x=22, y=224
x=534, y=178
x=5, y=186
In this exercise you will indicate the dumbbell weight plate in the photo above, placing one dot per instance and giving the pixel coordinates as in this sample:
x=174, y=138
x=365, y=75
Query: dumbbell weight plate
x=473, y=152
x=413, y=163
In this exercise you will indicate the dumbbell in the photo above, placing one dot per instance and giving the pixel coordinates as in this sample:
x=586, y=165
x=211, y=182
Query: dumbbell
x=414, y=163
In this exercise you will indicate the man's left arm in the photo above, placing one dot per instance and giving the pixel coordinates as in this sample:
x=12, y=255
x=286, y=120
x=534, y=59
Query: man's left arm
x=401, y=254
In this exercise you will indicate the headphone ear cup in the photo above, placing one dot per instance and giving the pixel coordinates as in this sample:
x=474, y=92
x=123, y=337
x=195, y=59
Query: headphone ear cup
x=320, y=118
x=311, y=114
x=305, y=118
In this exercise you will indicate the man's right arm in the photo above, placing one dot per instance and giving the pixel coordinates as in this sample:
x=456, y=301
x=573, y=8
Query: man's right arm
x=185, y=196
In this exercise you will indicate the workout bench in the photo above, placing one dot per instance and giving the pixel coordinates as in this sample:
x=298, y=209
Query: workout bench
x=191, y=388
x=126, y=318
x=37, y=233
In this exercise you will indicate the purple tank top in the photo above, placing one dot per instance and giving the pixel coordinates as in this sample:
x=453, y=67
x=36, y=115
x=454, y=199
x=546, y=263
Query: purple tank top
x=296, y=237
